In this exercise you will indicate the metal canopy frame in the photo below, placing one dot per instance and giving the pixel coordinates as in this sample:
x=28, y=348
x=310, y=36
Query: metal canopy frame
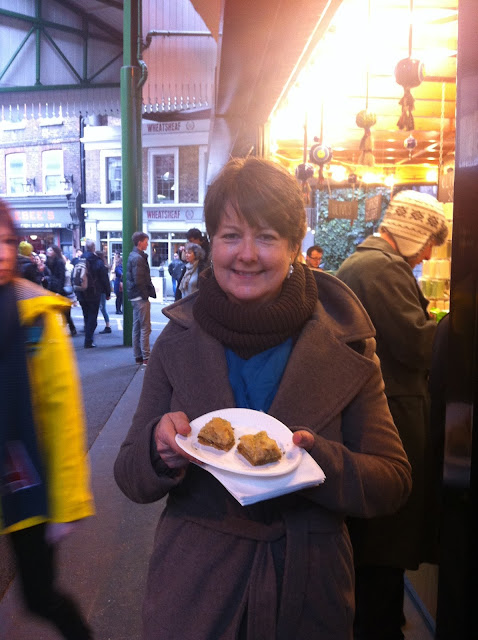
x=40, y=29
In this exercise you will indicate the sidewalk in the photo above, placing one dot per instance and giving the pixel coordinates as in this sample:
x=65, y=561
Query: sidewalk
x=103, y=564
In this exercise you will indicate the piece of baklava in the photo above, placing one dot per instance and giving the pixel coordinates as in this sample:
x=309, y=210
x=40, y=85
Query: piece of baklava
x=217, y=433
x=259, y=449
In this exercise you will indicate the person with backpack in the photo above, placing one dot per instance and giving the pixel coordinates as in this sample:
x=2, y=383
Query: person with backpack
x=90, y=279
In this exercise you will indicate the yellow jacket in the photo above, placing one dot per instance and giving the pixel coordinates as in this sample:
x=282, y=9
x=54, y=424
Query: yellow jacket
x=57, y=407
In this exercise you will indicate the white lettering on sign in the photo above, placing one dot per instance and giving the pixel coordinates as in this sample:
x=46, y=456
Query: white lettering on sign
x=34, y=216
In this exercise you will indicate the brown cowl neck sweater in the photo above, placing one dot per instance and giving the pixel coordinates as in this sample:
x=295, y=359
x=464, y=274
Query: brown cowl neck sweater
x=250, y=331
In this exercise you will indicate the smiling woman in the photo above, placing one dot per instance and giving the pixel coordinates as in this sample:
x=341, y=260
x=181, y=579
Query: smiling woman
x=278, y=568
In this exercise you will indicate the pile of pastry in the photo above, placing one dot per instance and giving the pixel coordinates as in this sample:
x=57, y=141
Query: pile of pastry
x=257, y=448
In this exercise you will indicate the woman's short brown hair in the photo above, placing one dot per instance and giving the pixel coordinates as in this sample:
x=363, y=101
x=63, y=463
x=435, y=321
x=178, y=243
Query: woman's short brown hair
x=261, y=192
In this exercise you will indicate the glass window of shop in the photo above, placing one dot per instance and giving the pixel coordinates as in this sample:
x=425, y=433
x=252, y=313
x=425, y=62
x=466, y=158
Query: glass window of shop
x=52, y=166
x=164, y=178
x=163, y=247
x=40, y=240
x=16, y=173
x=111, y=242
x=113, y=179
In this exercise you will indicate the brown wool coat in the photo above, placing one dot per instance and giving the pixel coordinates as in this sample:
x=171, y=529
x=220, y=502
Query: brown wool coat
x=281, y=568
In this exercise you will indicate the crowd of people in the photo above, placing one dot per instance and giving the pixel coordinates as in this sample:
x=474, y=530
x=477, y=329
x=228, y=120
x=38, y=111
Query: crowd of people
x=326, y=561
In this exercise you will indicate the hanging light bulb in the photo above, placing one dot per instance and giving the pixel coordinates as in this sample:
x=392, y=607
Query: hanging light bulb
x=390, y=181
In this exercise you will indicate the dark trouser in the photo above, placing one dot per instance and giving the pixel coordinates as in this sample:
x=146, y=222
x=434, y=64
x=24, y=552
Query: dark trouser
x=69, y=319
x=119, y=301
x=90, y=308
x=379, y=593
x=35, y=560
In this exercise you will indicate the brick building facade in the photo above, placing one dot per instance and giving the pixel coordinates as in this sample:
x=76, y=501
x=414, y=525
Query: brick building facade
x=173, y=184
x=40, y=178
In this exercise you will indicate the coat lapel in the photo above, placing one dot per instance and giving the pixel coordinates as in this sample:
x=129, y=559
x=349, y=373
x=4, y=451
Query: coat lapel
x=203, y=386
x=321, y=378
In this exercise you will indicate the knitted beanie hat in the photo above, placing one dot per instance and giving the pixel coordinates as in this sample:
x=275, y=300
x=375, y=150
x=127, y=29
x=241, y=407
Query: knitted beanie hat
x=25, y=248
x=412, y=219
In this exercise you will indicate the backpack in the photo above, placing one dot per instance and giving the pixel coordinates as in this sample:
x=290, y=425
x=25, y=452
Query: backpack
x=79, y=277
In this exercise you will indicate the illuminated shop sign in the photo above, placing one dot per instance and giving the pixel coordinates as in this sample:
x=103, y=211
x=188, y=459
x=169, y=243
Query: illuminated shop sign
x=41, y=218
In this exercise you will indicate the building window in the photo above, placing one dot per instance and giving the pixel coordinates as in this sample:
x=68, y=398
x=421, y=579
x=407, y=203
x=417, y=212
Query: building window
x=52, y=165
x=113, y=179
x=163, y=178
x=16, y=174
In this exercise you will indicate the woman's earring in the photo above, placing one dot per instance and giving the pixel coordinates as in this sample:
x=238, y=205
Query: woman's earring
x=291, y=270
x=212, y=266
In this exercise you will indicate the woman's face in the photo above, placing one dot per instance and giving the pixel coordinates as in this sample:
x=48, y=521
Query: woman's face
x=8, y=255
x=49, y=252
x=189, y=255
x=250, y=264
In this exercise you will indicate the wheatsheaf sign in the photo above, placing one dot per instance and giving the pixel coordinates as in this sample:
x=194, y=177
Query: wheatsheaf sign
x=184, y=214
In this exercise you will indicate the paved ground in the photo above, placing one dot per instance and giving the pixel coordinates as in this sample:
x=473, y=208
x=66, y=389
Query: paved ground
x=104, y=563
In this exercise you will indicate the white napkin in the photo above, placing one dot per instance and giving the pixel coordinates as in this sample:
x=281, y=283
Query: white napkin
x=250, y=489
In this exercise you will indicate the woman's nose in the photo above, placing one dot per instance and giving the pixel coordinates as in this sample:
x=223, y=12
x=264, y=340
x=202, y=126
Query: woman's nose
x=247, y=249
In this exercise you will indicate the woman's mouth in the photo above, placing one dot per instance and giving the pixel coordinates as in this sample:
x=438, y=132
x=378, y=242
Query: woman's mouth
x=246, y=274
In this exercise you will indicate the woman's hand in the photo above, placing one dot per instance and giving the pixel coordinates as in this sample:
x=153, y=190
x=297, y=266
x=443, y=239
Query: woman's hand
x=164, y=437
x=303, y=439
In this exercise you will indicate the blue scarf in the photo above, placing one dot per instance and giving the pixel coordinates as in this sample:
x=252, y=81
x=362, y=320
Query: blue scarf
x=255, y=381
x=22, y=482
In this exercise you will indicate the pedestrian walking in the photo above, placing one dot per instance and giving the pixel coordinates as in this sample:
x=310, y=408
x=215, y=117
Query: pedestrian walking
x=89, y=299
x=44, y=474
x=118, y=283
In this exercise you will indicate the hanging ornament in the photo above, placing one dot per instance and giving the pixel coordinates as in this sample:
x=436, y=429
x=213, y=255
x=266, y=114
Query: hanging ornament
x=304, y=171
x=366, y=119
x=409, y=73
x=320, y=154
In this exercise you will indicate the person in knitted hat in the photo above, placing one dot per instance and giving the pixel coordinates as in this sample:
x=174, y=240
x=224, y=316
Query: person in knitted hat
x=26, y=265
x=263, y=557
x=380, y=273
x=415, y=222
x=25, y=248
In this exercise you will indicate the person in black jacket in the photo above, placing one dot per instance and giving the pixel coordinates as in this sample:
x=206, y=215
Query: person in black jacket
x=26, y=265
x=56, y=280
x=176, y=269
x=98, y=283
x=139, y=288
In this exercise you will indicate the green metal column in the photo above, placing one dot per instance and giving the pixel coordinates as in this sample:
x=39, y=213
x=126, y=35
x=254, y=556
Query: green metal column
x=130, y=148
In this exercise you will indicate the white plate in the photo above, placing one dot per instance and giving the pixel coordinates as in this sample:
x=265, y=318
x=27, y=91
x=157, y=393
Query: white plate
x=243, y=421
